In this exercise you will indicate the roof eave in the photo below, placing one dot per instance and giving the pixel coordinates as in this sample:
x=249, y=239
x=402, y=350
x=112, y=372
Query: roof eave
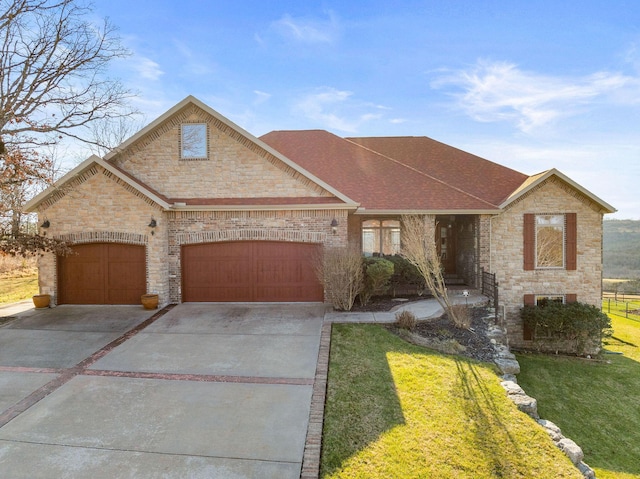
x=34, y=202
x=396, y=212
x=258, y=207
x=542, y=177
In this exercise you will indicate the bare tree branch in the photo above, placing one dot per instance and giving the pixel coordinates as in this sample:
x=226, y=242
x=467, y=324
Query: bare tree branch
x=419, y=248
x=52, y=66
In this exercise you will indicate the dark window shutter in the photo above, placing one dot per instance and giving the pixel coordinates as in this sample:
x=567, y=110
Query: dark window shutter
x=529, y=241
x=571, y=247
x=527, y=332
x=571, y=298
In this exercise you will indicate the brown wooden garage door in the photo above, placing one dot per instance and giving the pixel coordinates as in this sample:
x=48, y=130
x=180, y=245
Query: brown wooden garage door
x=102, y=273
x=259, y=271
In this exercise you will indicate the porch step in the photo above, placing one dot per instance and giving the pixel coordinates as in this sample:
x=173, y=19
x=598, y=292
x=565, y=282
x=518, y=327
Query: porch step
x=453, y=280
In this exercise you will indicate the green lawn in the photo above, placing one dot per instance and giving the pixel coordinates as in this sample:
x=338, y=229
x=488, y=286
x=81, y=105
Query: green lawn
x=18, y=285
x=597, y=404
x=395, y=410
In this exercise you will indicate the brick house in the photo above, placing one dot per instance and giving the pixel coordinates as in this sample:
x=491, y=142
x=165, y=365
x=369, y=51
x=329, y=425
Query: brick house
x=197, y=209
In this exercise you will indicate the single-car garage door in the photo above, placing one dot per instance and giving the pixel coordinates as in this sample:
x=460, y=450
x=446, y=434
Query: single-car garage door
x=102, y=273
x=260, y=271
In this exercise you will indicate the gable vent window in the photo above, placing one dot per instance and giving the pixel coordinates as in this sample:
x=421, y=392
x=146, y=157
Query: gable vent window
x=193, y=141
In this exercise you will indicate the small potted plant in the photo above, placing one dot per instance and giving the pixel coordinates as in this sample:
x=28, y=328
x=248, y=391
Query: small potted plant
x=41, y=301
x=149, y=300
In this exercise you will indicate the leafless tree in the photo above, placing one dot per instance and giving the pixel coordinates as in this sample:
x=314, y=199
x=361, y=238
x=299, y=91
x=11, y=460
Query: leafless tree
x=52, y=66
x=419, y=248
x=53, y=85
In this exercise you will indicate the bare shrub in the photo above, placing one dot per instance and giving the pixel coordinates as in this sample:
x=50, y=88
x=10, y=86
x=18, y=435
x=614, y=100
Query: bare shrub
x=419, y=248
x=462, y=316
x=340, y=271
x=406, y=320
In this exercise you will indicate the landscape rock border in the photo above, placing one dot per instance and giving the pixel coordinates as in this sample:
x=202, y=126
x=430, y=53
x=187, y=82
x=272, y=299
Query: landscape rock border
x=509, y=368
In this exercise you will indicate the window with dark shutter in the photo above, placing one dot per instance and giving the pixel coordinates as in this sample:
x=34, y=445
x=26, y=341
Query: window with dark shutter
x=550, y=241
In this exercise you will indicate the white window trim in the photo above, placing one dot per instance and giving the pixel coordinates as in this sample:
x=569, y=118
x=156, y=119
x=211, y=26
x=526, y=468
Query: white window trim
x=206, y=141
x=564, y=242
x=550, y=296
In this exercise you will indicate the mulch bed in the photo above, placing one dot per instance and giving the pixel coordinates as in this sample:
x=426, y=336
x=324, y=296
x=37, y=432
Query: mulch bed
x=476, y=344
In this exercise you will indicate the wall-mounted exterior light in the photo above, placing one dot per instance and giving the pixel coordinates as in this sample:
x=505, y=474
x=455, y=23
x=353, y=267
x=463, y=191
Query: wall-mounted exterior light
x=45, y=224
x=334, y=226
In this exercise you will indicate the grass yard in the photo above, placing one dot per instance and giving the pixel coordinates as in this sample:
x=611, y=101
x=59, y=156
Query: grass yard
x=597, y=404
x=395, y=410
x=18, y=285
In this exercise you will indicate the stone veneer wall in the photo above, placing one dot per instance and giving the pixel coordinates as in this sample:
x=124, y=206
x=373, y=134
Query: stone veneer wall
x=97, y=207
x=305, y=226
x=506, y=255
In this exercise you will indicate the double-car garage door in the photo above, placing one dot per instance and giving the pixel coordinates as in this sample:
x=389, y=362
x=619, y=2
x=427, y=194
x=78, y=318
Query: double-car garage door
x=260, y=271
x=250, y=271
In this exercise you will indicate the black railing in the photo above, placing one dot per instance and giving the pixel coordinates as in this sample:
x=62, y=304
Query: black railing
x=490, y=289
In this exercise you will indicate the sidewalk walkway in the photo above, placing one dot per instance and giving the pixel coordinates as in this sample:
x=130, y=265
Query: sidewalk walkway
x=423, y=309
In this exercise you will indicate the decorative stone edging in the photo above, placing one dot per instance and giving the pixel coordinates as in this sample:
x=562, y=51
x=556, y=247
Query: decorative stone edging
x=509, y=366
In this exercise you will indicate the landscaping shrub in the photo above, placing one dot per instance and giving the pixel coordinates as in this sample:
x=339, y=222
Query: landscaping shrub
x=406, y=320
x=575, y=328
x=377, y=273
x=405, y=273
x=340, y=272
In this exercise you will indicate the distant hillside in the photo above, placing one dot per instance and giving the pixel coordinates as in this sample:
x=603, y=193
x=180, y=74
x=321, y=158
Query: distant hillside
x=621, y=249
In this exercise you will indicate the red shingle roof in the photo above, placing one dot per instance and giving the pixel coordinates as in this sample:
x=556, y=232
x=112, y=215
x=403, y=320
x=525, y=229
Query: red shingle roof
x=404, y=173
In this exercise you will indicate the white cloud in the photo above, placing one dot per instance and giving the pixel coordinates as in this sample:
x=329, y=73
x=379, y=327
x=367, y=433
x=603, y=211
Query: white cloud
x=308, y=30
x=261, y=97
x=500, y=91
x=336, y=109
x=147, y=68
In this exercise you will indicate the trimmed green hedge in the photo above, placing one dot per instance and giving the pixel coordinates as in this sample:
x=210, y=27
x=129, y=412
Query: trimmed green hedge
x=575, y=328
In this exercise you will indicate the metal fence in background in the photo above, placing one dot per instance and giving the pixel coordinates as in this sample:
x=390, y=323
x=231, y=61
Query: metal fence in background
x=625, y=305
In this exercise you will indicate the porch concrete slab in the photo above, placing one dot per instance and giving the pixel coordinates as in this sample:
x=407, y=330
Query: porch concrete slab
x=274, y=356
x=231, y=318
x=49, y=349
x=263, y=422
x=14, y=386
x=93, y=318
x=43, y=461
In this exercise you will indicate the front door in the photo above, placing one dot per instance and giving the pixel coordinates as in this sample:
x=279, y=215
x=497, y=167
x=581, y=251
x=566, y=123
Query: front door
x=445, y=241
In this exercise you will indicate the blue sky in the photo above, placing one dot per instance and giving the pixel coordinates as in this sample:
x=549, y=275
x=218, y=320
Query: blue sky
x=528, y=84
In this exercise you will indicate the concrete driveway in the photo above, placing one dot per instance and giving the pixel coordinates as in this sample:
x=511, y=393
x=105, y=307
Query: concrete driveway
x=203, y=391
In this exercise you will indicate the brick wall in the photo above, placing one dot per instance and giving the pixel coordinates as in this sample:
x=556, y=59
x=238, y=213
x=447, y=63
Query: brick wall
x=506, y=255
x=306, y=226
x=97, y=207
x=236, y=167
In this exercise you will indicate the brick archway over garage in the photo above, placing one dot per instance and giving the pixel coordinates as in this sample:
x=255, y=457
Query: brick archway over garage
x=102, y=273
x=250, y=271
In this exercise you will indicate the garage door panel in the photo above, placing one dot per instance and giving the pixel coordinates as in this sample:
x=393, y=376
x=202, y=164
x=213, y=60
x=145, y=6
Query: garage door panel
x=250, y=271
x=102, y=273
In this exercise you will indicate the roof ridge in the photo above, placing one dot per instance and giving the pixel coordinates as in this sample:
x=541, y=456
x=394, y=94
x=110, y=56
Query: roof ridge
x=421, y=172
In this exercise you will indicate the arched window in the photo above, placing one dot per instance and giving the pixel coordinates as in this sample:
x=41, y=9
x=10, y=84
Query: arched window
x=380, y=237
